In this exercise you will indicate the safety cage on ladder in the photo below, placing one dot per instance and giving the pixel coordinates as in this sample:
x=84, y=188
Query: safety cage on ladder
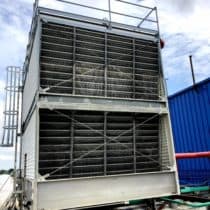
x=13, y=91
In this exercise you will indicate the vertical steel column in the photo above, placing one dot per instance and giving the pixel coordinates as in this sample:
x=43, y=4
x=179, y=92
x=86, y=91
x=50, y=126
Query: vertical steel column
x=160, y=142
x=10, y=103
x=110, y=13
x=134, y=142
x=162, y=87
x=134, y=60
x=15, y=166
x=72, y=144
x=23, y=181
x=40, y=49
x=74, y=63
x=36, y=4
x=16, y=109
x=5, y=108
x=25, y=166
x=13, y=113
x=105, y=143
x=106, y=65
x=19, y=129
x=20, y=154
x=192, y=69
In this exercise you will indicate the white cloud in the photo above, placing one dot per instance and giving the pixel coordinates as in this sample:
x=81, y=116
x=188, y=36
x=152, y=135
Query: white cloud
x=14, y=25
x=185, y=30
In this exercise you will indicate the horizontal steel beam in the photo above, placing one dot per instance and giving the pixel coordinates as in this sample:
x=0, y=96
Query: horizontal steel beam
x=97, y=24
x=53, y=101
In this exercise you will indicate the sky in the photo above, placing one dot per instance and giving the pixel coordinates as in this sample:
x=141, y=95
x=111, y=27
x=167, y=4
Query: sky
x=184, y=27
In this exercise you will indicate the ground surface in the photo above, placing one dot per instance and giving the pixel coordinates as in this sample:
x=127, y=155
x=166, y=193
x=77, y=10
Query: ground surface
x=6, y=187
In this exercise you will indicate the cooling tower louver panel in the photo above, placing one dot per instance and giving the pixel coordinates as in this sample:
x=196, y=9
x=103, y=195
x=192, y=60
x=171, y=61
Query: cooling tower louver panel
x=91, y=63
x=54, y=150
x=90, y=143
x=56, y=58
x=88, y=135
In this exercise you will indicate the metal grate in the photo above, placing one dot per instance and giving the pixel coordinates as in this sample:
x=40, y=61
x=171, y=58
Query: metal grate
x=91, y=63
x=91, y=143
x=12, y=102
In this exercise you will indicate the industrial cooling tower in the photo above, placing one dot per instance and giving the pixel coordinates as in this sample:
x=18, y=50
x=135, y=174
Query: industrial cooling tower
x=95, y=120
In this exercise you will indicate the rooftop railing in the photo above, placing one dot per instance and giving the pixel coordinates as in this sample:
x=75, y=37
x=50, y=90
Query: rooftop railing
x=111, y=11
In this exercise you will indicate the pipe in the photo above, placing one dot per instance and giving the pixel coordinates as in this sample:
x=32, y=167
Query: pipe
x=181, y=202
x=192, y=155
x=195, y=189
x=134, y=202
x=192, y=70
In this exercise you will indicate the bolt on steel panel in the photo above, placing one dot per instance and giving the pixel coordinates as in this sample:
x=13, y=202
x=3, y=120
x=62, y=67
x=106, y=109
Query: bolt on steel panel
x=190, y=116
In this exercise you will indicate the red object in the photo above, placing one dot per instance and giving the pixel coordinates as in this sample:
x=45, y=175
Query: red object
x=192, y=155
x=162, y=43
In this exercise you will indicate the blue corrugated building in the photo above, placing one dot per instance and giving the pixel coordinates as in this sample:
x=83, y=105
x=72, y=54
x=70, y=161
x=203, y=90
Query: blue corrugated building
x=190, y=116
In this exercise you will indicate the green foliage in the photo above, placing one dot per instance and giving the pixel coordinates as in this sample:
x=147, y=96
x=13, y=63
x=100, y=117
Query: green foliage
x=9, y=171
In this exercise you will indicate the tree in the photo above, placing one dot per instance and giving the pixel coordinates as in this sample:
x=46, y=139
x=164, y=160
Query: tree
x=9, y=171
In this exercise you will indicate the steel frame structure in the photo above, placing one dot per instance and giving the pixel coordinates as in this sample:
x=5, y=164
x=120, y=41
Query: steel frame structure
x=117, y=188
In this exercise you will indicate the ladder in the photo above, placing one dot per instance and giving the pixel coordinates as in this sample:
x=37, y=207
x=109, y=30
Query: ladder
x=13, y=91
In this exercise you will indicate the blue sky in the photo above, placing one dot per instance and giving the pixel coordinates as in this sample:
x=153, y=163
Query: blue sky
x=184, y=26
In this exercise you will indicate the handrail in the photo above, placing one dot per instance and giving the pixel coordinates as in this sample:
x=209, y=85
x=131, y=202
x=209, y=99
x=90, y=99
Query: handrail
x=112, y=12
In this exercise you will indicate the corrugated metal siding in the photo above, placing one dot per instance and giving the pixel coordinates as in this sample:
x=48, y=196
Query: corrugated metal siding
x=190, y=116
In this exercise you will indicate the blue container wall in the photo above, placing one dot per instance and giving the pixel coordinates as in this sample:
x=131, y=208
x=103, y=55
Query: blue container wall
x=190, y=116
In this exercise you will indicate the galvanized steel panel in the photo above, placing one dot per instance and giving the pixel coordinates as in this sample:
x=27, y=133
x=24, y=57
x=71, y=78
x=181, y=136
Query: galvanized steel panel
x=190, y=114
x=78, y=193
x=100, y=104
x=29, y=146
x=32, y=76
